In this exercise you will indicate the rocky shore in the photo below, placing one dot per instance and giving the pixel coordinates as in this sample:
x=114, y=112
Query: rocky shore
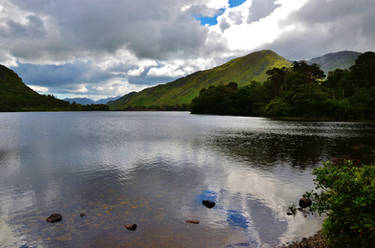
x=316, y=241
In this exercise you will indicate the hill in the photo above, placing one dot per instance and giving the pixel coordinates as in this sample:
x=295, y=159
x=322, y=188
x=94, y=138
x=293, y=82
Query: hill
x=241, y=70
x=16, y=96
x=332, y=61
x=121, y=102
x=107, y=100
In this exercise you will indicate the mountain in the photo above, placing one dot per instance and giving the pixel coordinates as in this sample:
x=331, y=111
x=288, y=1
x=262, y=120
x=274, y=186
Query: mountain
x=241, y=70
x=121, y=102
x=88, y=101
x=107, y=100
x=83, y=100
x=16, y=96
x=338, y=60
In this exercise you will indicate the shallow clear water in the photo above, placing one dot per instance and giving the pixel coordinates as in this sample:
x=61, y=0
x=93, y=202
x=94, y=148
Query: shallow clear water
x=154, y=169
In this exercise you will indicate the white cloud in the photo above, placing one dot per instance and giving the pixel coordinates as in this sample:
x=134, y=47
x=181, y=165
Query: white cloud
x=136, y=72
x=112, y=87
x=39, y=89
x=244, y=36
x=166, y=71
x=217, y=4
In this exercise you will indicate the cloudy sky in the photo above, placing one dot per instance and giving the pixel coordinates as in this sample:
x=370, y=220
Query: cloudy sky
x=97, y=49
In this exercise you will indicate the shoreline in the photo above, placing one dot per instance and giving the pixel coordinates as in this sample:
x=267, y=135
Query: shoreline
x=316, y=241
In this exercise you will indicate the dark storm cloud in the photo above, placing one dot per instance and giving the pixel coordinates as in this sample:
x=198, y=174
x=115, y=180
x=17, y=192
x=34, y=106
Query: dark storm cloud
x=324, y=26
x=260, y=9
x=33, y=28
x=150, y=29
x=57, y=75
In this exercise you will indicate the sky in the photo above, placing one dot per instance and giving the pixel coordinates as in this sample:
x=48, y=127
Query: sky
x=99, y=49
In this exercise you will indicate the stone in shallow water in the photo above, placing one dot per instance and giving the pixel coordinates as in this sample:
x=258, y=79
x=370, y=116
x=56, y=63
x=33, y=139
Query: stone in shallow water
x=131, y=227
x=193, y=221
x=208, y=204
x=304, y=203
x=54, y=218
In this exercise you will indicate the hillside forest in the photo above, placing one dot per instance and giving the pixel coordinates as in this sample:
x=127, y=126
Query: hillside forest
x=301, y=91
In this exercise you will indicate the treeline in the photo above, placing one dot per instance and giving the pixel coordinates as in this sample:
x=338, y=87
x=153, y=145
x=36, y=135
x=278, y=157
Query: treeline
x=178, y=107
x=299, y=92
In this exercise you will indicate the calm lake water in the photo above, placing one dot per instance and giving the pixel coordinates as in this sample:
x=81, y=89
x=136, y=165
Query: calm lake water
x=154, y=169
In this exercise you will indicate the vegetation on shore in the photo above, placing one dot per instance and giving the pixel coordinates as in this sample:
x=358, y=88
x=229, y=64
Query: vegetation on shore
x=301, y=91
x=16, y=96
x=180, y=107
x=345, y=193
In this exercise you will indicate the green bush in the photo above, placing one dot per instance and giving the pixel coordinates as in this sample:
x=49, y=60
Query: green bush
x=277, y=107
x=346, y=193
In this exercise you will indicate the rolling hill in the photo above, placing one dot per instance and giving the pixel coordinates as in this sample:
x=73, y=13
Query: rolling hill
x=121, y=102
x=332, y=61
x=241, y=70
x=16, y=96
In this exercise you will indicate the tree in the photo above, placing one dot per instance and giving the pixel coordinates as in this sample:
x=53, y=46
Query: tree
x=310, y=73
x=340, y=85
x=276, y=80
x=362, y=73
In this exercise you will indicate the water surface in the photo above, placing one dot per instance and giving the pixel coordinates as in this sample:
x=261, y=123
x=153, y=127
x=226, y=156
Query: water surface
x=154, y=169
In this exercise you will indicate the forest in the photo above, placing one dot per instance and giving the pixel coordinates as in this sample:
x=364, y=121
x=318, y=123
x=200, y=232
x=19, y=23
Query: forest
x=301, y=91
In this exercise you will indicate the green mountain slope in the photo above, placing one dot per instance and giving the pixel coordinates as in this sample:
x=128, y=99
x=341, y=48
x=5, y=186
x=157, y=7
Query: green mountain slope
x=16, y=96
x=119, y=103
x=332, y=61
x=241, y=70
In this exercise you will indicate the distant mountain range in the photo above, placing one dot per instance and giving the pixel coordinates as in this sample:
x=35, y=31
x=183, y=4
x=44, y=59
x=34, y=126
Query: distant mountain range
x=241, y=70
x=88, y=101
x=332, y=61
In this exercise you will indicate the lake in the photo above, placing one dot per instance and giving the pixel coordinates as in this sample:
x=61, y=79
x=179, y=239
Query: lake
x=154, y=169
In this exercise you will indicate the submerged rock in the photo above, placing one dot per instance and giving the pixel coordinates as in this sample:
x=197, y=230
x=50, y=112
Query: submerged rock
x=304, y=203
x=208, y=204
x=193, y=221
x=292, y=210
x=54, y=218
x=131, y=227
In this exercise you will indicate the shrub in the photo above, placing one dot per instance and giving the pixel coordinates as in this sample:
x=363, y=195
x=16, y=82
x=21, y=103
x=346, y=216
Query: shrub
x=345, y=191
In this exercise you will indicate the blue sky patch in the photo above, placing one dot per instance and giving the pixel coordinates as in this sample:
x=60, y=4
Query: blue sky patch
x=235, y=3
x=210, y=20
